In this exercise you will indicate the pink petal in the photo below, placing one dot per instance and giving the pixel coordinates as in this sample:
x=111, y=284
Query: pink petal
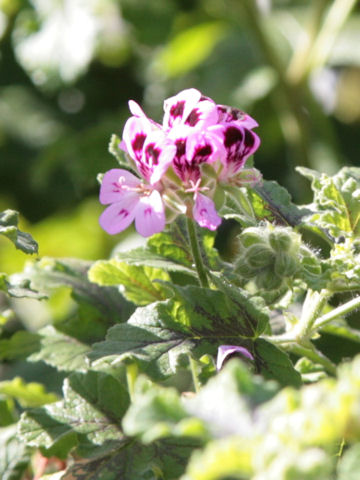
x=136, y=130
x=158, y=153
x=119, y=216
x=240, y=143
x=202, y=147
x=202, y=115
x=230, y=114
x=204, y=212
x=135, y=109
x=115, y=185
x=178, y=108
x=150, y=215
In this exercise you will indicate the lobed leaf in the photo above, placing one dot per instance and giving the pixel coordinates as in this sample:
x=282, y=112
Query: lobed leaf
x=9, y=220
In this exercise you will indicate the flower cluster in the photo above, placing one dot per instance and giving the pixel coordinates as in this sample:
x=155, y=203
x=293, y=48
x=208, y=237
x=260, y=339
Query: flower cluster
x=170, y=161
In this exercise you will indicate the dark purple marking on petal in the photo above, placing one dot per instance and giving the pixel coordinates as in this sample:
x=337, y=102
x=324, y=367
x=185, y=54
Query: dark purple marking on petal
x=232, y=136
x=193, y=118
x=203, y=153
x=116, y=187
x=249, y=139
x=123, y=213
x=138, y=142
x=229, y=114
x=152, y=154
x=180, y=147
x=177, y=110
x=147, y=211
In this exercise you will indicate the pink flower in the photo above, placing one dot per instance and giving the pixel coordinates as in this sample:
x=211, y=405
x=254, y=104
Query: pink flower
x=239, y=144
x=130, y=200
x=190, y=108
x=149, y=147
x=204, y=212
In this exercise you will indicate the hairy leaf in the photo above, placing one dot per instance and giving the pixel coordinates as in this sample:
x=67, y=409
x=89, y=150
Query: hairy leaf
x=15, y=455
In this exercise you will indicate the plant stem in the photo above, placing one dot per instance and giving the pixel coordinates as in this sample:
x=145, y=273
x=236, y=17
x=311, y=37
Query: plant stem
x=312, y=307
x=203, y=280
x=337, y=312
x=311, y=353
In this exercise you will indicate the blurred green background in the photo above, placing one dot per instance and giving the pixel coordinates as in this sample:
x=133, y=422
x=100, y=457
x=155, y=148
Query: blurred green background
x=68, y=68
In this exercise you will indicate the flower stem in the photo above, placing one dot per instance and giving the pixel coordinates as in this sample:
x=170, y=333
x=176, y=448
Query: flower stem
x=311, y=353
x=312, y=307
x=337, y=312
x=131, y=376
x=200, y=268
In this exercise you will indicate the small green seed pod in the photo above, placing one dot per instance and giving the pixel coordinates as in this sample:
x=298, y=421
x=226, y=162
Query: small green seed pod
x=259, y=256
x=285, y=265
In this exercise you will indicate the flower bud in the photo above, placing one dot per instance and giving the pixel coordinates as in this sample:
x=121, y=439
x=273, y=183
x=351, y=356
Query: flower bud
x=259, y=256
x=251, y=236
x=268, y=280
x=285, y=265
x=280, y=240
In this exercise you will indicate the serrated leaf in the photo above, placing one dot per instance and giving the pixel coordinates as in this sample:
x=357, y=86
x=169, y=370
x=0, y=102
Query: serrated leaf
x=93, y=406
x=31, y=394
x=20, y=345
x=336, y=206
x=273, y=202
x=197, y=321
x=275, y=364
x=15, y=455
x=9, y=220
x=60, y=351
x=149, y=337
x=138, y=283
x=98, y=307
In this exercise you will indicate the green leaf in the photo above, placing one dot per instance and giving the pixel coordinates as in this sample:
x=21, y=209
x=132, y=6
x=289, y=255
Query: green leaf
x=189, y=48
x=197, y=321
x=275, y=364
x=61, y=351
x=98, y=307
x=27, y=394
x=227, y=402
x=9, y=220
x=147, y=257
x=93, y=406
x=134, y=461
x=250, y=309
x=273, y=202
x=157, y=412
x=15, y=455
x=336, y=206
x=150, y=337
x=20, y=345
x=138, y=282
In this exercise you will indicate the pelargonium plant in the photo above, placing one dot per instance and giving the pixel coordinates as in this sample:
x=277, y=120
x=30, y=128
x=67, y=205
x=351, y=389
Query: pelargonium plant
x=175, y=356
x=168, y=160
